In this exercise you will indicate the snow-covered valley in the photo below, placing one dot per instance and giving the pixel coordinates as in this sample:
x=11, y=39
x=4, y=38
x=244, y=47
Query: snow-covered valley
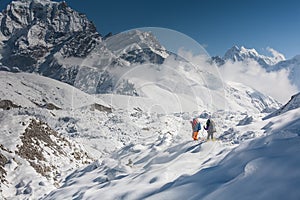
x=84, y=116
x=135, y=152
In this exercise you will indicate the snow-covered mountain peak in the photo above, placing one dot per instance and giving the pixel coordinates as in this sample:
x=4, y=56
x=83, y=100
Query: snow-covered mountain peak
x=292, y=65
x=57, y=17
x=53, y=40
x=252, y=51
x=134, y=40
x=140, y=133
x=133, y=36
x=32, y=31
x=242, y=53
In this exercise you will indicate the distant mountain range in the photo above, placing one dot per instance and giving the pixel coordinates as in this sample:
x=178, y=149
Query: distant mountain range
x=270, y=63
x=241, y=54
x=52, y=39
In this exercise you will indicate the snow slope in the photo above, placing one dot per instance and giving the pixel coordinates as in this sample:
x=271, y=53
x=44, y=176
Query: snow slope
x=36, y=150
x=176, y=86
x=265, y=168
x=135, y=128
x=32, y=90
x=34, y=157
x=135, y=40
x=244, y=98
x=173, y=167
x=294, y=103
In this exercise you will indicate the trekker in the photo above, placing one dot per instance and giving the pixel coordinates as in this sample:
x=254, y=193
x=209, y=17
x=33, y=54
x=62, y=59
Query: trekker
x=196, y=127
x=210, y=128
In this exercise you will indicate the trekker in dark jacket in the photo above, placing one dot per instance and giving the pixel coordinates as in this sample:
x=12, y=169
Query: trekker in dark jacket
x=210, y=127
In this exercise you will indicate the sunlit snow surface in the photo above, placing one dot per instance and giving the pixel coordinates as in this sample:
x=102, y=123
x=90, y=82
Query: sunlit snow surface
x=171, y=166
x=140, y=146
x=143, y=150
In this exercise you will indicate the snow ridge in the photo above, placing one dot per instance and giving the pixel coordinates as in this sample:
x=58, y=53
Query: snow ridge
x=294, y=103
x=241, y=53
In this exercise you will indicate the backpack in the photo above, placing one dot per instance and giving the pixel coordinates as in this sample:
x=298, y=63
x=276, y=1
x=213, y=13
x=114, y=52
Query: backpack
x=196, y=125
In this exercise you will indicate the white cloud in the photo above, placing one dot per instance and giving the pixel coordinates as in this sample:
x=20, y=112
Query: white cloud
x=198, y=60
x=275, y=84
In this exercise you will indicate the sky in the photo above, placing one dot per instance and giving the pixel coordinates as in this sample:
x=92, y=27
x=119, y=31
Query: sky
x=215, y=24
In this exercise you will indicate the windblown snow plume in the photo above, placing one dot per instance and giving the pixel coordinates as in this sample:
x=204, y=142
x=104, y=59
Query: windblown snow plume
x=277, y=56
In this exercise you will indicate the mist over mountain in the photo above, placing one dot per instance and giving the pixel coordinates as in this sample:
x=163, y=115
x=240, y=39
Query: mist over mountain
x=273, y=75
x=52, y=39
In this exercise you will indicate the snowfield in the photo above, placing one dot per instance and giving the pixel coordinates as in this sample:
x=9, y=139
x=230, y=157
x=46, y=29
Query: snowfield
x=263, y=168
x=174, y=167
x=140, y=153
x=91, y=117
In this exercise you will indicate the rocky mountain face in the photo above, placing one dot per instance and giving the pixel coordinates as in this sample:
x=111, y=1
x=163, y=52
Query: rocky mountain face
x=32, y=32
x=136, y=47
x=53, y=40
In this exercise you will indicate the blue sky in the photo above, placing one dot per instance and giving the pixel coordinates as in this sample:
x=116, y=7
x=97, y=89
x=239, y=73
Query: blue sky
x=216, y=24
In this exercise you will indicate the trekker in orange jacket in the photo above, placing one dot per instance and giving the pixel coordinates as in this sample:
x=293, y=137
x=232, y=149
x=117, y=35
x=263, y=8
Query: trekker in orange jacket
x=196, y=126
